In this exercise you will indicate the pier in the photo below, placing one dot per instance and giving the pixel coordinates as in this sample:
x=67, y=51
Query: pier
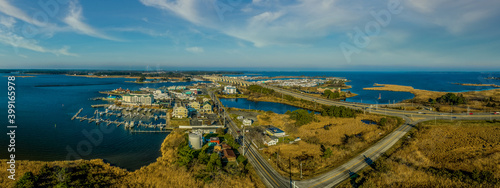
x=152, y=131
x=100, y=105
x=128, y=124
x=76, y=115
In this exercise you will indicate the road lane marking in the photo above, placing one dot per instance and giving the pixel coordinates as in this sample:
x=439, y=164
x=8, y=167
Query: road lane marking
x=264, y=169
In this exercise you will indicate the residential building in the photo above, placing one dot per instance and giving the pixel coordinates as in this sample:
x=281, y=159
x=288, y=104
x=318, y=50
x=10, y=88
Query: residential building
x=270, y=140
x=180, y=111
x=138, y=99
x=229, y=155
x=274, y=131
x=217, y=148
x=194, y=105
x=207, y=108
x=215, y=140
x=205, y=100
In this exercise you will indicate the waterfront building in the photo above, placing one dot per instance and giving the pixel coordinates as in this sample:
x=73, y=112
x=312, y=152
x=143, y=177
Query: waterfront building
x=194, y=105
x=180, y=111
x=230, y=90
x=138, y=99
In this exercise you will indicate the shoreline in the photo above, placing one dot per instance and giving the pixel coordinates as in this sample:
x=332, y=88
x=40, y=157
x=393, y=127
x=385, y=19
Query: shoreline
x=22, y=76
x=480, y=85
x=121, y=76
x=426, y=94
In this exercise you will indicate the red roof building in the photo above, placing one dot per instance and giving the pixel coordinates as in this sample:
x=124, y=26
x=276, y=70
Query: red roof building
x=215, y=140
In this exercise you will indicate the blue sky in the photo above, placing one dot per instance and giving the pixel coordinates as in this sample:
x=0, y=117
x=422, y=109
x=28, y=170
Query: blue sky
x=251, y=34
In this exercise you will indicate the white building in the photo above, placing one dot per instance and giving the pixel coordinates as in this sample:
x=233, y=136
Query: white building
x=270, y=140
x=138, y=99
x=230, y=90
x=247, y=122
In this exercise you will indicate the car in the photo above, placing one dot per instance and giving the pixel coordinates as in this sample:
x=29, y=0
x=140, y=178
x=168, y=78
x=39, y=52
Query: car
x=419, y=112
x=496, y=113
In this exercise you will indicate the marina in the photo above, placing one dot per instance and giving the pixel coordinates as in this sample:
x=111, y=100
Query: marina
x=127, y=112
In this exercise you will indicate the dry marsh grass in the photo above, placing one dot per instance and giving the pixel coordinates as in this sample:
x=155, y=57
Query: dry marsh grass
x=449, y=154
x=314, y=134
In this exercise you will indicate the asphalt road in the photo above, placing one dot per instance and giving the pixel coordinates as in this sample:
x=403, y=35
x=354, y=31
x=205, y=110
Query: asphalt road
x=329, y=179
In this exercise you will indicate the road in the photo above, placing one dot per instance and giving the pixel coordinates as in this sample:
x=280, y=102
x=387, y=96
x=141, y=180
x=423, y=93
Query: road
x=329, y=179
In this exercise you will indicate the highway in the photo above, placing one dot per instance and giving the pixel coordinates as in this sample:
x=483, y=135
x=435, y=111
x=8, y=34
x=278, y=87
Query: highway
x=329, y=179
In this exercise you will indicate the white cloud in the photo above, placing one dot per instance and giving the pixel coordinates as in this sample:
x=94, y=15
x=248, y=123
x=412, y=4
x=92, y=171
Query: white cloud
x=16, y=41
x=456, y=16
x=187, y=9
x=7, y=21
x=74, y=20
x=195, y=49
x=8, y=9
x=264, y=23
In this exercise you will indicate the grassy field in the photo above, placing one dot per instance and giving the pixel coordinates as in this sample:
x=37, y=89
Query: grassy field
x=95, y=173
x=449, y=154
x=326, y=142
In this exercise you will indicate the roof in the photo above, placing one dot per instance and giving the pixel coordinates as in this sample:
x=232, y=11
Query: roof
x=229, y=153
x=225, y=146
x=214, y=139
x=275, y=130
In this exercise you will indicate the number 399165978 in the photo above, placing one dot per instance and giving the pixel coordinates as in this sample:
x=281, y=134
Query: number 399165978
x=12, y=99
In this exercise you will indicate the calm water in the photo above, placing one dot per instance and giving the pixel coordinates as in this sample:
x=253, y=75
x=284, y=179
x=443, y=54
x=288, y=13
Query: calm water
x=265, y=106
x=435, y=81
x=45, y=131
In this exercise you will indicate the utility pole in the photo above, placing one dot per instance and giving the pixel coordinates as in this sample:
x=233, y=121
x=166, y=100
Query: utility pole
x=300, y=169
x=290, y=167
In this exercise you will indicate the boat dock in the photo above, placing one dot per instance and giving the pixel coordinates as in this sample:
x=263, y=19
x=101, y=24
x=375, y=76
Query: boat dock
x=100, y=105
x=147, y=131
x=76, y=115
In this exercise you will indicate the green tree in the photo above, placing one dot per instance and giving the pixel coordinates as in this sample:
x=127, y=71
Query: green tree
x=141, y=79
x=28, y=180
x=186, y=155
x=301, y=116
x=214, y=163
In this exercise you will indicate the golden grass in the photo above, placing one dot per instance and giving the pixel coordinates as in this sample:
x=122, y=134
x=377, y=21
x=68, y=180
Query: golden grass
x=424, y=95
x=314, y=135
x=419, y=94
x=452, y=145
x=467, y=84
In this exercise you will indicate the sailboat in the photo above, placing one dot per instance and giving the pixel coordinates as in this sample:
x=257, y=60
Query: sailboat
x=379, y=96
